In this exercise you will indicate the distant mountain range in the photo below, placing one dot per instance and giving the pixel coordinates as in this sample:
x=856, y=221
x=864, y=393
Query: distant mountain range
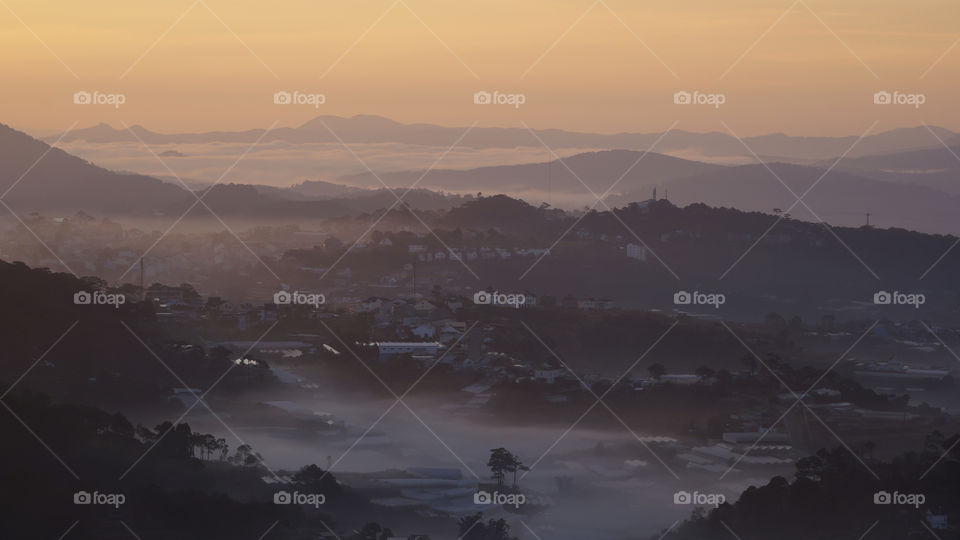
x=914, y=189
x=714, y=147
x=39, y=178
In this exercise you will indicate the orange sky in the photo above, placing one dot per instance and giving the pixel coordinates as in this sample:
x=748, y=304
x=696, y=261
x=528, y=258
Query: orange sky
x=193, y=65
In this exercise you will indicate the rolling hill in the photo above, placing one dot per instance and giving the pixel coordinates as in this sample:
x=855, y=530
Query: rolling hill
x=598, y=170
x=62, y=182
x=937, y=168
x=840, y=198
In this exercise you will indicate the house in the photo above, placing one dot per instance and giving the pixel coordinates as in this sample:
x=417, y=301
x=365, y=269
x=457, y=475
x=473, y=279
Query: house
x=587, y=303
x=637, y=252
x=424, y=306
x=449, y=333
x=373, y=303
x=569, y=302
x=424, y=331
x=416, y=248
x=549, y=374
x=533, y=252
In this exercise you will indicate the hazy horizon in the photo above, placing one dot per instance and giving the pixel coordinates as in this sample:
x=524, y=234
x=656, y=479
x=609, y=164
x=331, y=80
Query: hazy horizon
x=123, y=124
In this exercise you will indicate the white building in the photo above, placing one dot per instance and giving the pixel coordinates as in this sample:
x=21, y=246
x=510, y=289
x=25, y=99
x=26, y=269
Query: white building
x=754, y=437
x=637, y=252
x=389, y=349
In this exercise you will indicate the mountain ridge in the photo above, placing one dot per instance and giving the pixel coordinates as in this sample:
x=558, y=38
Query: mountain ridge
x=371, y=129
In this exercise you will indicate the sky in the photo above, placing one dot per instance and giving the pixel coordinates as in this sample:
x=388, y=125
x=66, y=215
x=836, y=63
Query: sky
x=806, y=67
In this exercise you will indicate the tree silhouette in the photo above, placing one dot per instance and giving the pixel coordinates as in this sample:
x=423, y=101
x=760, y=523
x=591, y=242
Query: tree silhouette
x=474, y=528
x=657, y=371
x=500, y=463
x=705, y=373
x=318, y=480
x=503, y=462
x=516, y=465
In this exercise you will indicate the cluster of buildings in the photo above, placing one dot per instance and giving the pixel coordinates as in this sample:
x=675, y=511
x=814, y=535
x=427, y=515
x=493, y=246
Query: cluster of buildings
x=426, y=254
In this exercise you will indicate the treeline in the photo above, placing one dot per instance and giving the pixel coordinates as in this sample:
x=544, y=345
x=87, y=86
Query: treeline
x=109, y=356
x=175, y=483
x=834, y=495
